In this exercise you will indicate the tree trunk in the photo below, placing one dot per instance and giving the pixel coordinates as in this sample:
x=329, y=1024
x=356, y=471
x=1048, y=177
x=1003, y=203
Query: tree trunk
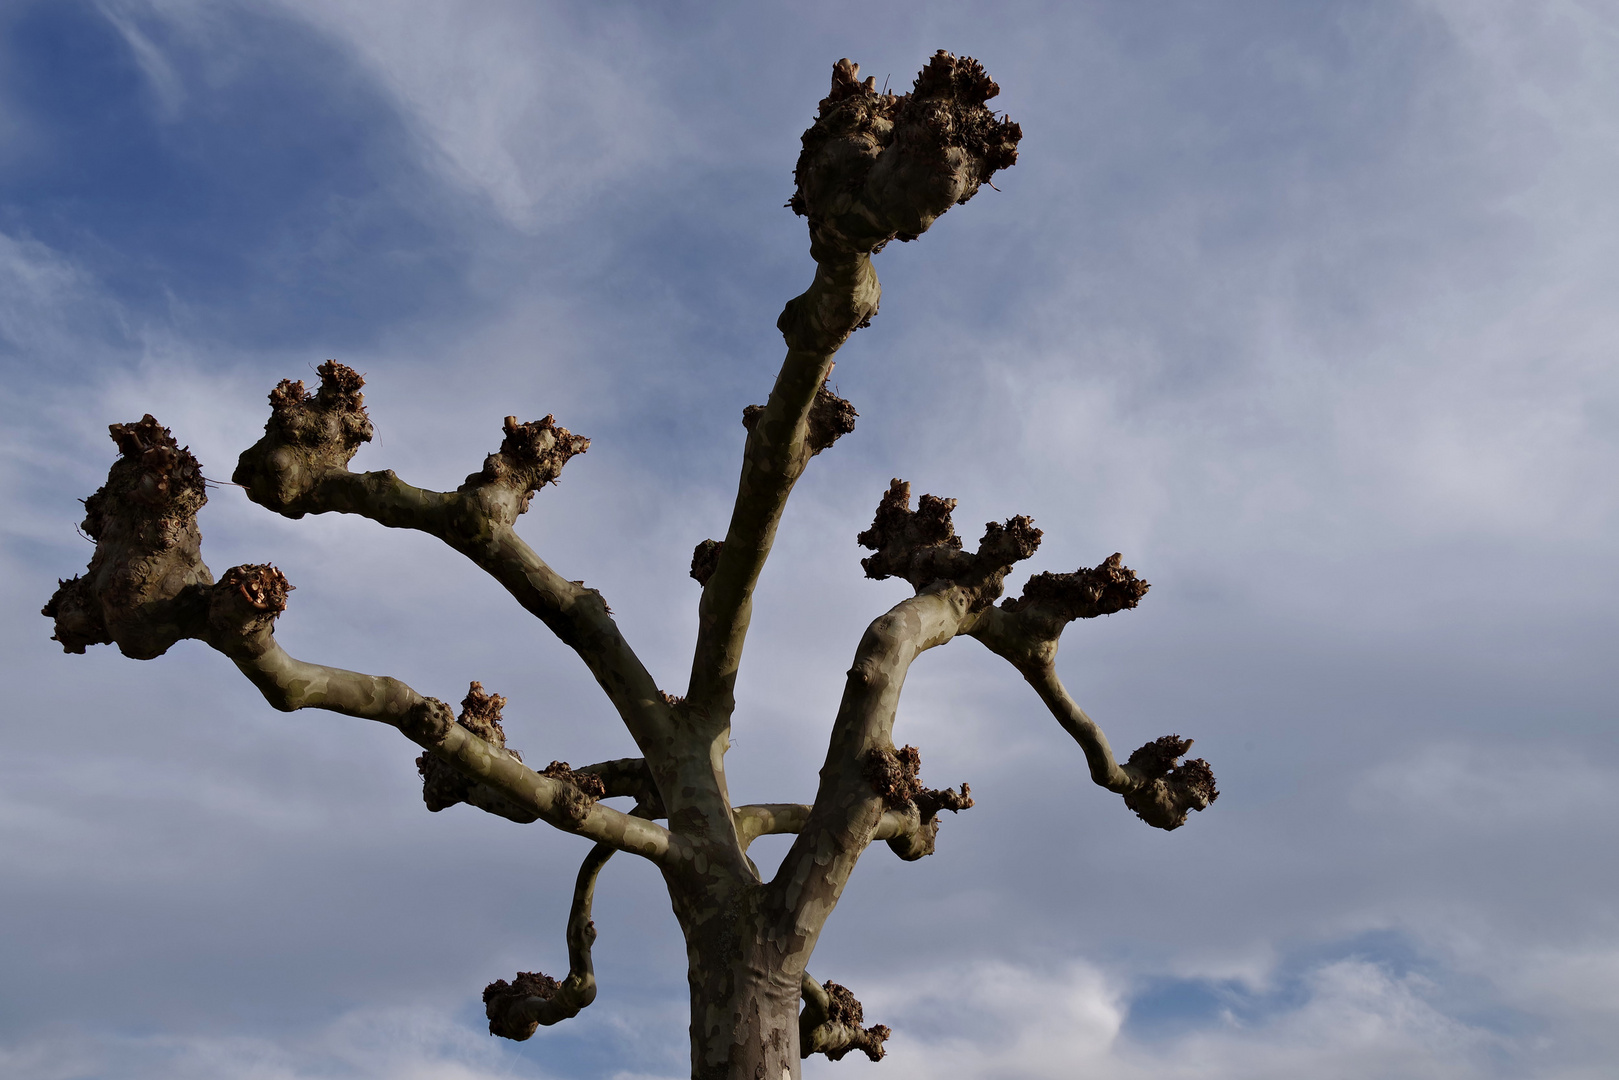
x=749, y=1031
x=745, y=995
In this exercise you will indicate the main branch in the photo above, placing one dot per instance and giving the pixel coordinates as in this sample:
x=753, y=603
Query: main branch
x=874, y=167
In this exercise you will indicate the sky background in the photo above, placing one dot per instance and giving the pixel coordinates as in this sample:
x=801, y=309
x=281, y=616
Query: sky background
x=1308, y=309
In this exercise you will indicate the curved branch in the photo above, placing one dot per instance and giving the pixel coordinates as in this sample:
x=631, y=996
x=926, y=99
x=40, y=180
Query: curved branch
x=1025, y=632
x=864, y=777
x=1160, y=791
x=300, y=467
x=533, y=1000
x=629, y=777
x=848, y=807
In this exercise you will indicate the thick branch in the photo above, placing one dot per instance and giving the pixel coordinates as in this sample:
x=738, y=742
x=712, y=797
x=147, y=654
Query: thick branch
x=290, y=684
x=864, y=776
x=629, y=777
x=768, y=819
x=848, y=806
x=300, y=467
x=533, y=1000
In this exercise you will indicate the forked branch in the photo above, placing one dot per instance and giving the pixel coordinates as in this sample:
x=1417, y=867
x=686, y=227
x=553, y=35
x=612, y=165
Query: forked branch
x=300, y=467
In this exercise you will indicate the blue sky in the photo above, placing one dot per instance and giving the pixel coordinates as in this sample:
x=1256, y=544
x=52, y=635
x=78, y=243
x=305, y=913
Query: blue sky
x=1306, y=309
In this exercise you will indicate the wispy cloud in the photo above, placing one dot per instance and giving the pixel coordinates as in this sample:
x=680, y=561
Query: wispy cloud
x=533, y=106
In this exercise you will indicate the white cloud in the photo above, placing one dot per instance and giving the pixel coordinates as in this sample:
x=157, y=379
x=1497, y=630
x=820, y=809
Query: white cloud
x=1354, y=1019
x=1358, y=1021
x=41, y=294
x=1488, y=787
x=385, y=1044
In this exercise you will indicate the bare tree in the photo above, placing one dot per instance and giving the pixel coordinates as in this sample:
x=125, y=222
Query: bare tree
x=874, y=167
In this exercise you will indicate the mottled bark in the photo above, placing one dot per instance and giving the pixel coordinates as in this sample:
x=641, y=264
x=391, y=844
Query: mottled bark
x=875, y=167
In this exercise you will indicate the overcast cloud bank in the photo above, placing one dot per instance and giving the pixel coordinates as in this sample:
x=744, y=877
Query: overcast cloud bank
x=1305, y=309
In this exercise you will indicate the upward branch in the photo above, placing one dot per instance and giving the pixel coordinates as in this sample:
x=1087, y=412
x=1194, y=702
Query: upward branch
x=874, y=167
x=864, y=779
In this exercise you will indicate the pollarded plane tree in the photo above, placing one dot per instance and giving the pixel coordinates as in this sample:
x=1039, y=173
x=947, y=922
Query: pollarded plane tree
x=874, y=167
